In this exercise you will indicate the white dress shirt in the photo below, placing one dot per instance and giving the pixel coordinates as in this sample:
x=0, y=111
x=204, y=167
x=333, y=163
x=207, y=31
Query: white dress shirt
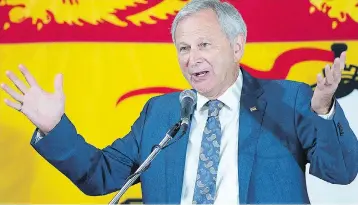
x=227, y=175
x=227, y=185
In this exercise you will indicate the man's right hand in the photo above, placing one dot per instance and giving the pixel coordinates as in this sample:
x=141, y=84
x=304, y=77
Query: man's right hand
x=43, y=109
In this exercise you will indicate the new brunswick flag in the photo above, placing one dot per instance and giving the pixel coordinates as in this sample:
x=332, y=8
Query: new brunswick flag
x=116, y=54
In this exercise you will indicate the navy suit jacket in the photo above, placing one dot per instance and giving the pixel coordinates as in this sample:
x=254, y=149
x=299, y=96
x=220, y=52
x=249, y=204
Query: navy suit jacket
x=276, y=141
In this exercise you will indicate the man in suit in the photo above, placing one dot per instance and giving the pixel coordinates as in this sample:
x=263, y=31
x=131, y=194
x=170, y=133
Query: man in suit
x=248, y=141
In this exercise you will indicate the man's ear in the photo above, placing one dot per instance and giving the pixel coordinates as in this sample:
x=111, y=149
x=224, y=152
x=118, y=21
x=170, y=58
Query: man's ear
x=238, y=46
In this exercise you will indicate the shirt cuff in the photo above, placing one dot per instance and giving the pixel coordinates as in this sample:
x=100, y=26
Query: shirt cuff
x=38, y=136
x=330, y=115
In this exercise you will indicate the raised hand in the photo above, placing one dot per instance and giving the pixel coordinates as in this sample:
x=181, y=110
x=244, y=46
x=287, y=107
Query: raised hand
x=326, y=86
x=43, y=109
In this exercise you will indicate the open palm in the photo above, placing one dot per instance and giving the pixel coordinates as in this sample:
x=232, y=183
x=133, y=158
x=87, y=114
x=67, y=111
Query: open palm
x=327, y=86
x=43, y=109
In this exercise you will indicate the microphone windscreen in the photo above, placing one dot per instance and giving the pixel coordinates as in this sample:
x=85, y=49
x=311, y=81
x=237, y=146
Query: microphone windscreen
x=187, y=93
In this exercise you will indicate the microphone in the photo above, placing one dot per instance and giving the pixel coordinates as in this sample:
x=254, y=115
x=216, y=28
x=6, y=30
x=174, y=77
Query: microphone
x=145, y=165
x=187, y=100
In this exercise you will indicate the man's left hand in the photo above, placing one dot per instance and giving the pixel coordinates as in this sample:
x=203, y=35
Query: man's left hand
x=326, y=86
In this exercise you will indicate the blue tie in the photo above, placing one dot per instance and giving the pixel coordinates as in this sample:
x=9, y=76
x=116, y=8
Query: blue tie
x=205, y=184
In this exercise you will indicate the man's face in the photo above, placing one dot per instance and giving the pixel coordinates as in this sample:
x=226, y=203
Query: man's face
x=206, y=58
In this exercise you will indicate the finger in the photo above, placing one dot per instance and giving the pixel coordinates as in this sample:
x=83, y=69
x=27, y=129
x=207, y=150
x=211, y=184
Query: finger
x=29, y=78
x=320, y=81
x=12, y=93
x=343, y=60
x=59, y=84
x=329, y=75
x=19, y=84
x=336, y=70
x=15, y=105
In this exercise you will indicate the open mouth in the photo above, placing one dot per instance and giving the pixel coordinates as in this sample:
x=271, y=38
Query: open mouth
x=200, y=74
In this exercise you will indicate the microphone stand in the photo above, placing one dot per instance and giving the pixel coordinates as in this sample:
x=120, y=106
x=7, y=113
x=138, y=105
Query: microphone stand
x=132, y=178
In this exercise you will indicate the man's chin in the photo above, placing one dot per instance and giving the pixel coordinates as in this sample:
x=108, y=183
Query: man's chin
x=202, y=89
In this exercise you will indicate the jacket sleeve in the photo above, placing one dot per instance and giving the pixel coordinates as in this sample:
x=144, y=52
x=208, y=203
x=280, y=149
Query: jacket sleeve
x=94, y=171
x=329, y=144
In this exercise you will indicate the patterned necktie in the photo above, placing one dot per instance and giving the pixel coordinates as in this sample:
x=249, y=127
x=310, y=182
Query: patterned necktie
x=205, y=184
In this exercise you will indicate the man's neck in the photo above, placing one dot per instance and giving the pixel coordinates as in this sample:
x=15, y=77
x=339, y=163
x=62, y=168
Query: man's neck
x=225, y=88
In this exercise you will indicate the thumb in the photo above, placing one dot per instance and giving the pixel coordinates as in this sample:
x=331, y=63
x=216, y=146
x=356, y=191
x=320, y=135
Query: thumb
x=59, y=84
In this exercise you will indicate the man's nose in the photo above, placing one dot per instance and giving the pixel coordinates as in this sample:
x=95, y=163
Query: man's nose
x=194, y=58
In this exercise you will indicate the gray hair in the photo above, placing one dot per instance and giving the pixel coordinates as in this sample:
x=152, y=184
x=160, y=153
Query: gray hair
x=230, y=20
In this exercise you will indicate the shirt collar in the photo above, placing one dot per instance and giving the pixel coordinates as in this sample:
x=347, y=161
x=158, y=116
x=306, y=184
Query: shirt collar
x=230, y=98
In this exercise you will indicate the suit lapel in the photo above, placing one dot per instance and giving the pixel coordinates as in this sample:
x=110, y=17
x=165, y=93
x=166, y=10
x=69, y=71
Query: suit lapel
x=252, y=110
x=175, y=156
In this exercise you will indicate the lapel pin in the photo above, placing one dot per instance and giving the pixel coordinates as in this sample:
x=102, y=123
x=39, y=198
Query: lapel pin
x=253, y=108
